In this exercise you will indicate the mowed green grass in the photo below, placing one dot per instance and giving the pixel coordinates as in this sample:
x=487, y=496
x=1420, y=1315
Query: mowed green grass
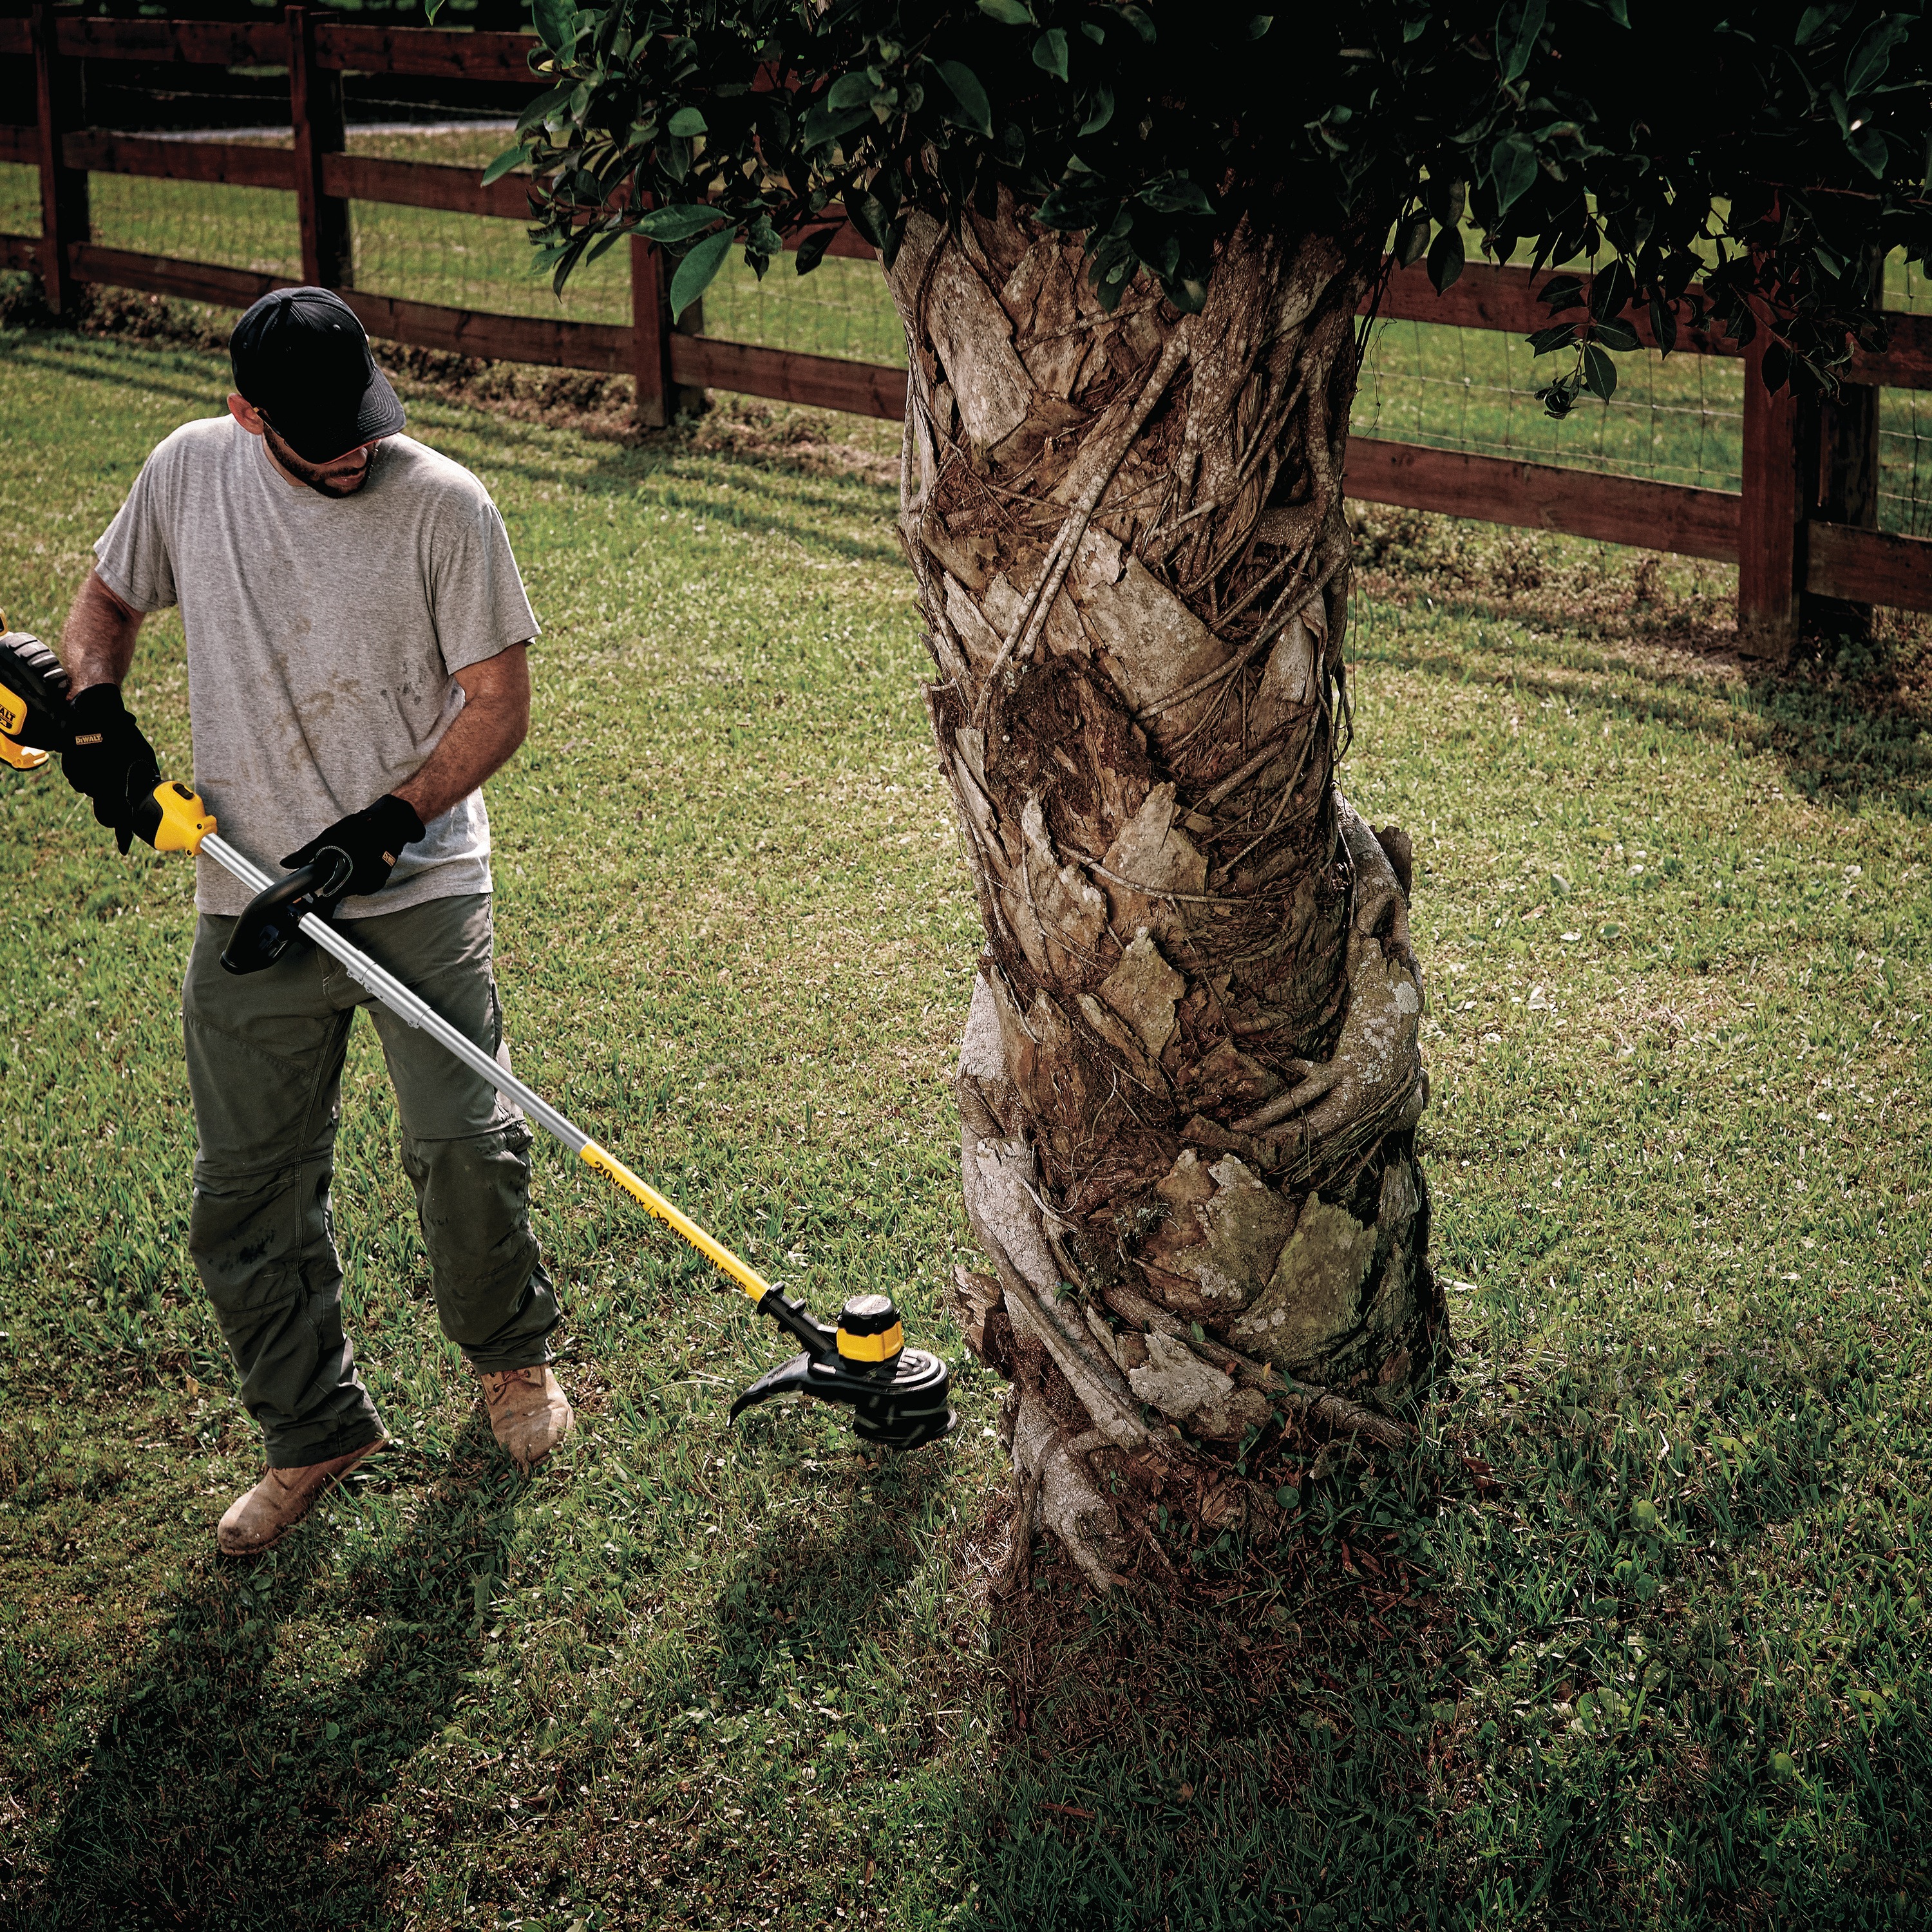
x=1635, y=1638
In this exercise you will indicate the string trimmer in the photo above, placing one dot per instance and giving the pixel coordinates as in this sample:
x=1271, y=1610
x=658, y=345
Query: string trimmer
x=898, y=1395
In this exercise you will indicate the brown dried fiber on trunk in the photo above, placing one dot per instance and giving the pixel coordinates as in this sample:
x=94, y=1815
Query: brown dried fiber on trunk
x=1190, y=1077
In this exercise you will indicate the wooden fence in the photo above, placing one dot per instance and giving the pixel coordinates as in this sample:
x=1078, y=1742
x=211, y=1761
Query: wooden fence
x=1803, y=524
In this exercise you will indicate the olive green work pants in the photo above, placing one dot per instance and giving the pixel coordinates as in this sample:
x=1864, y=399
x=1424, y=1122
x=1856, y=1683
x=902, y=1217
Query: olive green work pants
x=265, y=1055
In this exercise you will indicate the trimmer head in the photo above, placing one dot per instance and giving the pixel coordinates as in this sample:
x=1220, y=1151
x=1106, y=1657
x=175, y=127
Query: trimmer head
x=898, y=1396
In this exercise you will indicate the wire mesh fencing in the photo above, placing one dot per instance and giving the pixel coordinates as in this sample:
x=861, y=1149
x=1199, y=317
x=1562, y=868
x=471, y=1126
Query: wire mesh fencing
x=1675, y=419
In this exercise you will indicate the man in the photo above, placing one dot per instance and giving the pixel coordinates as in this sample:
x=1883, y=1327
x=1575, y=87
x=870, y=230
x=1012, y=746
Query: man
x=357, y=653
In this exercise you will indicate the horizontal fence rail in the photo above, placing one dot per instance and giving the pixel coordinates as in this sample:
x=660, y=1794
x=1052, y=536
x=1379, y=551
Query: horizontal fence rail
x=1778, y=528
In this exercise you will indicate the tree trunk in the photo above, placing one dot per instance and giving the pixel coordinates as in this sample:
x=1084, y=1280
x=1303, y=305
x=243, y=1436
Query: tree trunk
x=1190, y=1077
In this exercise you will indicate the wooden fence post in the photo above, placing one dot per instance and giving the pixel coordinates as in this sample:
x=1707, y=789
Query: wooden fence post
x=650, y=328
x=659, y=399
x=1770, y=547
x=65, y=222
x=1839, y=450
x=315, y=110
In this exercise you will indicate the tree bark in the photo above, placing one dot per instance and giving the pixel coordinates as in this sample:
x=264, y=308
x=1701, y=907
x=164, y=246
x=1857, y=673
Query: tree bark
x=1190, y=1077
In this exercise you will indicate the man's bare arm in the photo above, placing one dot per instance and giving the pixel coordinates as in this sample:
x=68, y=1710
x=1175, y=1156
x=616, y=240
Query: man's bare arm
x=495, y=719
x=97, y=644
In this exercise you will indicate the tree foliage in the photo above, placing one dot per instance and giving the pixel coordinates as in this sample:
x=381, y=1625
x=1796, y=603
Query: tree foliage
x=1708, y=158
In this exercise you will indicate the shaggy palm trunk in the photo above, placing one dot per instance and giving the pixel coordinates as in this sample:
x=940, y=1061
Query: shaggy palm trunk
x=1190, y=1080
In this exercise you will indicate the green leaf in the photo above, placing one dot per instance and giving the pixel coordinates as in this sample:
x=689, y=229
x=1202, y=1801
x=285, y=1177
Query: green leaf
x=868, y=215
x=1559, y=335
x=1610, y=292
x=678, y=223
x=1866, y=64
x=539, y=110
x=699, y=269
x=1816, y=20
x=1176, y=195
x=686, y=122
x=502, y=164
x=1613, y=335
x=811, y=250
x=556, y=23
x=1663, y=324
x=1600, y=373
x=1517, y=26
x=1259, y=24
x=1868, y=144
x=1009, y=13
x=1142, y=22
x=1560, y=292
x=975, y=111
x=608, y=238
x=1100, y=110
x=1049, y=52
x=1445, y=258
x=849, y=91
x=1412, y=239
x=1512, y=170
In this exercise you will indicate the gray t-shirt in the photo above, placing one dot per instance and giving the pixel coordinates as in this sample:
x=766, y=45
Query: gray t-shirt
x=324, y=635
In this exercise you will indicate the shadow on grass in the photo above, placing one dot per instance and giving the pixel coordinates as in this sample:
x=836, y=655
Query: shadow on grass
x=822, y=1589
x=1460, y=1696
x=221, y=1786
x=1847, y=722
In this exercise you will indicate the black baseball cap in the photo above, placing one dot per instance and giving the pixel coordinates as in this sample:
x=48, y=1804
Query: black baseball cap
x=302, y=358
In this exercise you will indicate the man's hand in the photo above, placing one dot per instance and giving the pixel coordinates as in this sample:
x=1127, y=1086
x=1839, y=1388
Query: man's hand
x=110, y=762
x=373, y=839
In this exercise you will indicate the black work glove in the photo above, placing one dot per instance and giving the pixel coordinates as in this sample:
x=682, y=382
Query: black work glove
x=373, y=838
x=108, y=761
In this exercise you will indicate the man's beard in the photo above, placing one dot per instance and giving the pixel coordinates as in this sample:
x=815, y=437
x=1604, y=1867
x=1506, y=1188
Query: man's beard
x=311, y=473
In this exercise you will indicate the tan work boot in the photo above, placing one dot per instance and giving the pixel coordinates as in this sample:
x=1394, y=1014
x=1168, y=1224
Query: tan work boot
x=267, y=1513
x=529, y=1413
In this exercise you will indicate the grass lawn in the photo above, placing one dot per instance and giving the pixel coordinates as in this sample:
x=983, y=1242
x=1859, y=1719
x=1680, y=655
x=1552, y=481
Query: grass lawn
x=1635, y=1638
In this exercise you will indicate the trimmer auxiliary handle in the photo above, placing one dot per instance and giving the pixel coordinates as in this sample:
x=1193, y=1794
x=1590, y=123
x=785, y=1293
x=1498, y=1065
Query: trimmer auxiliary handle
x=898, y=1395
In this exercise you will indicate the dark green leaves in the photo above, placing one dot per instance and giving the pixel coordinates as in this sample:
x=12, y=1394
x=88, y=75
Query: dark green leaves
x=811, y=250
x=699, y=269
x=1865, y=66
x=758, y=114
x=1049, y=53
x=1610, y=292
x=1445, y=258
x=509, y=159
x=555, y=21
x=1176, y=195
x=1512, y=170
x=1100, y=110
x=1517, y=26
x=975, y=111
x=677, y=222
